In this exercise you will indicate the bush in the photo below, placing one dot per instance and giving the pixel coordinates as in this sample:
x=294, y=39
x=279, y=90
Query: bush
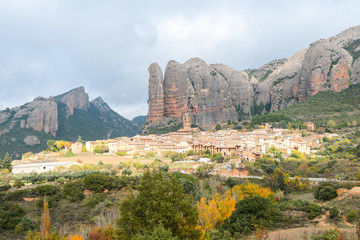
x=10, y=216
x=351, y=215
x=97, y=182
x=95, y=199
x=314, y=210
x=325, y=192
x=18, y=183
x=125, y=172
x=219, y=159
x=4, y=188
x=334, y=212
x=74, y=191
x=121, y=153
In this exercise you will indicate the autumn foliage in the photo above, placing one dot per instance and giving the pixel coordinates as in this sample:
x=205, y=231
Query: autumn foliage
x=213, y=212
x=45, y=220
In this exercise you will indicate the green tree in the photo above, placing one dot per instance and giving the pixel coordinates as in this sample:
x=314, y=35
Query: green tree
x=6, y=162
x=160, y=200
x=250, y=212
x=217, y=127
x=50, y=143
x=79, y=139
x=325, y=192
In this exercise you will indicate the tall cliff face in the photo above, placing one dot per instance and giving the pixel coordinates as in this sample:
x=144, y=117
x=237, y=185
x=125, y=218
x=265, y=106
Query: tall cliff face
x=193, y=87
x=215, y=93
x=28, y=127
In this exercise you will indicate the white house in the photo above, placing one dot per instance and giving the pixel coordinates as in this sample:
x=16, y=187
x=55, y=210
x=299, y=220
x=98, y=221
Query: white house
x=40, y=167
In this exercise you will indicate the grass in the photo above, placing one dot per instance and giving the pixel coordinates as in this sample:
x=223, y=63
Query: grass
x=309, y=197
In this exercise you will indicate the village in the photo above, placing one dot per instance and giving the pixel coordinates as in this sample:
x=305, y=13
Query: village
x=234, y=145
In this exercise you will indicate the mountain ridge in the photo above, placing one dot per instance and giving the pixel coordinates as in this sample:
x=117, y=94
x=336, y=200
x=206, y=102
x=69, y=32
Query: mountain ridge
x=66, y=116
x=214, y=93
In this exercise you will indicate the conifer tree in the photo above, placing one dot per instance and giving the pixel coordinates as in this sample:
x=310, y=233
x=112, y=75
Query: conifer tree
x=6, y=162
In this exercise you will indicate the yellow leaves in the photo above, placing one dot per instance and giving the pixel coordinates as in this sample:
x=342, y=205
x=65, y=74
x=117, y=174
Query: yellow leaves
x=215, y=211
x=208, y=214
x=76, y=237
x=45, y=220
x=225, y=206
x=250, y=190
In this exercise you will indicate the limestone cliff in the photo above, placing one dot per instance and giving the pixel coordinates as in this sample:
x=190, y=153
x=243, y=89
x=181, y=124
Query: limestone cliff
x=28, y=127
x=215, y=93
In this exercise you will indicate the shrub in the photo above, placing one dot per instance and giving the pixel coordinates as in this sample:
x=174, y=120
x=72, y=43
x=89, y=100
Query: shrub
x=351, y=215
x=69, y=153
x=314, y=210
x=4, y=188
x=18, y=183
x=74, y=191
x=95, y=199
x=97, y=182
x=10, y=216
x=325, y=192
x=219, y=159
x=334, y=212
x=127, y=172
x=121, y=153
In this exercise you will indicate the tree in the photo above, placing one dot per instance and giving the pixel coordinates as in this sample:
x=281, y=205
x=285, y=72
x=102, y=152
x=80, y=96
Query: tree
x=160, y=201
x=331, y=123
x=45, y=220
x=79, y=139
x=50, y=143
x=325, y=192
x=251, y=212
x=59, y=144
x=217, y=127
x=6, y=162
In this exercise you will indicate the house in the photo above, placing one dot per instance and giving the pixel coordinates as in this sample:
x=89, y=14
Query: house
x=40, y=167
x=310, y=126
x=76, y=147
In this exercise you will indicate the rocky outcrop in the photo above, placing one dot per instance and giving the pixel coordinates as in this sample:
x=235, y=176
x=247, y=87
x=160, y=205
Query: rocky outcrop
x=193, y=87
x=76, y=98
x=156, y=93
x=215, y=93
x=31, y=140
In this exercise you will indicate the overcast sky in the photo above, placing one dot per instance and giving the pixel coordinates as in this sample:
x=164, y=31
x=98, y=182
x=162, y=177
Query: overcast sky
x=48, y=47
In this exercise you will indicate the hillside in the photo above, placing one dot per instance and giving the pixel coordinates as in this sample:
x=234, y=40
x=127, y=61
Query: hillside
x=66, y=116
x=342, y=107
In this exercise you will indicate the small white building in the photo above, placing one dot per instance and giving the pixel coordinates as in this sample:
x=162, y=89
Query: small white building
x=40, y=167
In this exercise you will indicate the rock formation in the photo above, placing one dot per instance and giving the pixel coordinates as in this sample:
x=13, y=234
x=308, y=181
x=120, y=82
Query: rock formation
x=28, y=127
x=215, y=93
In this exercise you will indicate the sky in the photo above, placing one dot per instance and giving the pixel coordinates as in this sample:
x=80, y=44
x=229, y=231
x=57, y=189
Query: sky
x=48, y=47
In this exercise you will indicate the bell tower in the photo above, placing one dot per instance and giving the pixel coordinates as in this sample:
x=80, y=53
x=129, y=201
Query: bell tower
x=186, y=121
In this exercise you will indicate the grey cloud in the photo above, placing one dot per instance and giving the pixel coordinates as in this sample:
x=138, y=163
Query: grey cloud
x=49, y=47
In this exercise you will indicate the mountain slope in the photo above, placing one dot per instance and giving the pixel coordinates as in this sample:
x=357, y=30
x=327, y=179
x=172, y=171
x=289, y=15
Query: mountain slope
x=28, y=127
x=342, y=107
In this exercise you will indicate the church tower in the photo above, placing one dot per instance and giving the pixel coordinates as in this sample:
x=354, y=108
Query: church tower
x=186, y=121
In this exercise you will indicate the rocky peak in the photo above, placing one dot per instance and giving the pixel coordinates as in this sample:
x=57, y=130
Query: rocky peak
x=156, y=93
x=75, y=98
x=100, y=104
